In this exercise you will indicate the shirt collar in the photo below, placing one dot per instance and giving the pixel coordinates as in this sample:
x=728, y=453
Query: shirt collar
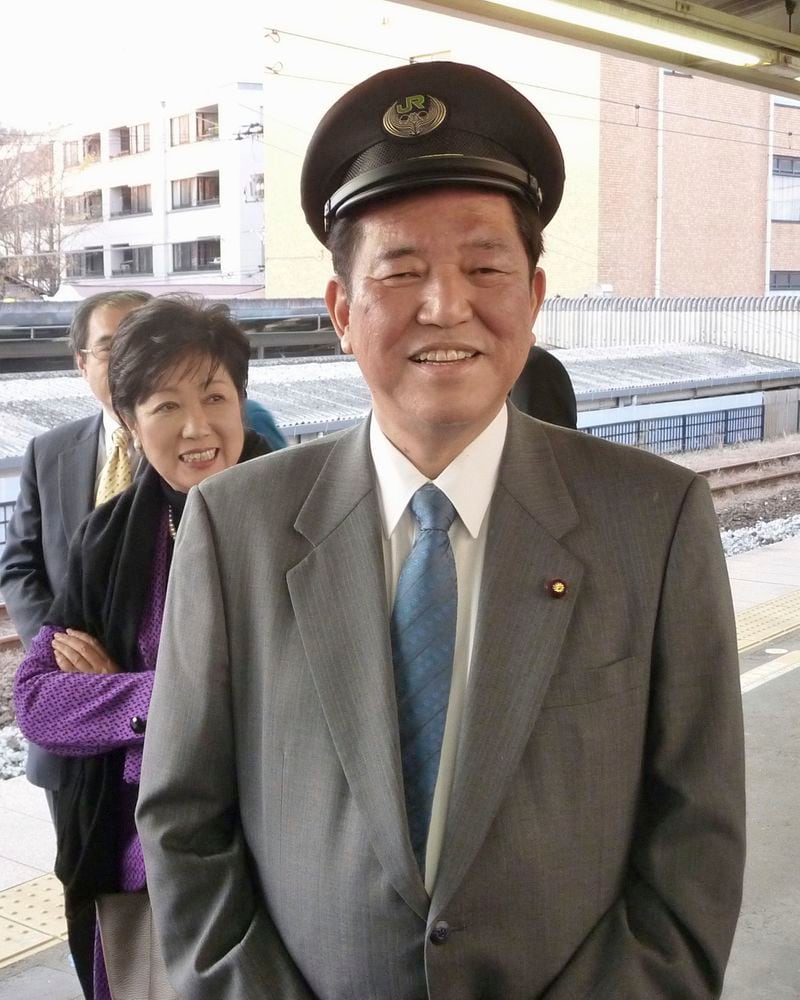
x=468, y=481
x=109, y=426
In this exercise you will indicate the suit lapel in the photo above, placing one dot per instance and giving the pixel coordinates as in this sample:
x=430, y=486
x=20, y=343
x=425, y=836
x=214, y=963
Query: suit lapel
x=520, y=632
x=339, y=596
x=77, y=467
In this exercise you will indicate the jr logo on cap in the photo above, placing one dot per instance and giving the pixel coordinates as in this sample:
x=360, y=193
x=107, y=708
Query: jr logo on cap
x=414, y=115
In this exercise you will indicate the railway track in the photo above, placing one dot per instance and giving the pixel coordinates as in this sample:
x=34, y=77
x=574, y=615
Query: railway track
x=8, y=636
x=736, y=476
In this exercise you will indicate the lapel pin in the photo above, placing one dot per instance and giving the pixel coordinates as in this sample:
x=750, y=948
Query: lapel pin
x=557, y=588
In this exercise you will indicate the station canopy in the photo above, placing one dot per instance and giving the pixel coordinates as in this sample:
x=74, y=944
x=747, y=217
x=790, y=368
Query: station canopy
x=743, y=41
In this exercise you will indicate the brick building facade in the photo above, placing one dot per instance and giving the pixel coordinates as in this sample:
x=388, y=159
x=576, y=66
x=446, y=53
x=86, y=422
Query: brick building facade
x=696, y=181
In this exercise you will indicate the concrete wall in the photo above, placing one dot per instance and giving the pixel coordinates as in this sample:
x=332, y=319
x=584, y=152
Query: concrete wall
x=781, y=412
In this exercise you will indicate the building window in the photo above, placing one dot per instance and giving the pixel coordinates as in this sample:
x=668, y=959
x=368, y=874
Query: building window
x=91, y=147
x=73, y=207
x=88, y=205
x=119, y=141
x=786, y=165
x=131, y=260
x=93, y=201
x=201, y=255
x=87, y=263
x=179, y=130
x=207, y=122
x=200, y=190
x=255, y=189
x=208, y=188
x=130, y=200
x=71, y=154
x=182, y=193
x=786, y=188
x=784, y=281
x=140, y=138
x=129, y=139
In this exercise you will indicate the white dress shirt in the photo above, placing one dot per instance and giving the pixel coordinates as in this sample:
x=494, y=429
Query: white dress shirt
x=468, y=482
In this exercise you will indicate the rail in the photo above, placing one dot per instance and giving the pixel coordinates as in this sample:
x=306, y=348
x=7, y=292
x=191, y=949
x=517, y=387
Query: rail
x=731, y=477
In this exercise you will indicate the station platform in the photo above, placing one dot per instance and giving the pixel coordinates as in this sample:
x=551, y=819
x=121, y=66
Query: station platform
x=34, y=961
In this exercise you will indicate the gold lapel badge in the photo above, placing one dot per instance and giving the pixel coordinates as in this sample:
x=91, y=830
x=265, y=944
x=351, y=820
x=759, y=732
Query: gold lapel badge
x=557, y=588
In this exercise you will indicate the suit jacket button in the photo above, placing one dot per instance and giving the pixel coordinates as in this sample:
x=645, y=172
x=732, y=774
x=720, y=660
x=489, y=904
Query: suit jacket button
x=440, y=932
x=138, y=724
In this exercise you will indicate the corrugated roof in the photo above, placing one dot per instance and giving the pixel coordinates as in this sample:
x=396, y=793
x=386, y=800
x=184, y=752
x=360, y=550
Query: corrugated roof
x=651, y=368
x=307, y=394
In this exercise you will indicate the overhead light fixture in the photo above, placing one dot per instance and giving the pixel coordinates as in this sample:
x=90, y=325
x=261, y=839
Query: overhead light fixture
x=644, y=28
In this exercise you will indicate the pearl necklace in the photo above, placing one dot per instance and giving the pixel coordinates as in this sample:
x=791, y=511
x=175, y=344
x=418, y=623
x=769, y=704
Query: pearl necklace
x=173, y=531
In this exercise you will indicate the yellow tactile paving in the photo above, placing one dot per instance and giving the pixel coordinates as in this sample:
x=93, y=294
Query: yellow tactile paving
x=767, y=621
x=31, y=918
x=38, y=904
x=18, y=941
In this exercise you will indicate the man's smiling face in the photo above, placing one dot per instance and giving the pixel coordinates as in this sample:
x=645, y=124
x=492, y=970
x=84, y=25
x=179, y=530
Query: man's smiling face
x=438, y=312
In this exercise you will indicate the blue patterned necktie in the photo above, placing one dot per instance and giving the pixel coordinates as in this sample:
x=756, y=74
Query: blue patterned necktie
x=423, y=631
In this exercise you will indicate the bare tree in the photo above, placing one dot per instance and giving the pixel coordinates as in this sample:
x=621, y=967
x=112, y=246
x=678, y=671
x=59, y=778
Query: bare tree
x=30, y=210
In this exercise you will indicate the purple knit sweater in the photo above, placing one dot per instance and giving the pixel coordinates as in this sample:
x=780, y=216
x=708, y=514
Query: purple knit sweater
x=79, y=715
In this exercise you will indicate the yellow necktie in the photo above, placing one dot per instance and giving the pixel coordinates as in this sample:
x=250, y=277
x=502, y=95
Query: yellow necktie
x=115, y=476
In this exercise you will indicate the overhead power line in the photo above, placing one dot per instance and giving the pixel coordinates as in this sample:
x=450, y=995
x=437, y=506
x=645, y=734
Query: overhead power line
x=277, y=69
x=274, y=35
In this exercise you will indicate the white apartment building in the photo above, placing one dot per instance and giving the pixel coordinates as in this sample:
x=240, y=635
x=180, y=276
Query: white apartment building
x=167, y=197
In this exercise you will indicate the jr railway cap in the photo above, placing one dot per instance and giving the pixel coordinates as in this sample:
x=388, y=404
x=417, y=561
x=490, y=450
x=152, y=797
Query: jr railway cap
x=425, y=125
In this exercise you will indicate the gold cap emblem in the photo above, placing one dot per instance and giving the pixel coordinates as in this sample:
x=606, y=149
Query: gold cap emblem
x=414, y=115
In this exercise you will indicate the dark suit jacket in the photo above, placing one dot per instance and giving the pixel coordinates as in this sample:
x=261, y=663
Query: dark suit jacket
x=594, y=839
x=56, y=494
x=544, y=390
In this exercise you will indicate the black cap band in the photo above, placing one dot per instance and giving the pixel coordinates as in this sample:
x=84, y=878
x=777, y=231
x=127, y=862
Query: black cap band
x=430, y=171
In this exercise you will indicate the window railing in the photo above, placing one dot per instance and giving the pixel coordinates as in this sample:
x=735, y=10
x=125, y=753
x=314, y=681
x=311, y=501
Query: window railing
x=6, y=510
x=120, y=212
x=126, y=268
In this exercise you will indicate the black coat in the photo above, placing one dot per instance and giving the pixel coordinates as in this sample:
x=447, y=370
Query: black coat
x=544, y=390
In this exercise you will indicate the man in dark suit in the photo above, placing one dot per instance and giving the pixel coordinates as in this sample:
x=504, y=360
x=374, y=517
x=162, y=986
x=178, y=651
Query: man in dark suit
x=60, y=471
x=544, y=390
x=446, y=705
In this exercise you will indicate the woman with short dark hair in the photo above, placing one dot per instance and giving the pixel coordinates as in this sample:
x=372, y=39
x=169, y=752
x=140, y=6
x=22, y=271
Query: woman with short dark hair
x=178, y=375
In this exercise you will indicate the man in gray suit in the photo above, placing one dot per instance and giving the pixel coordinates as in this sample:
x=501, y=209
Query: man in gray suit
x=57, y=490
x=583, y=833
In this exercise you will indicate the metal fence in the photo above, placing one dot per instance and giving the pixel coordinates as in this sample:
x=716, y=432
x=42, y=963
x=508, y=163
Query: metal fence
x=768, y=325
x=688, y=431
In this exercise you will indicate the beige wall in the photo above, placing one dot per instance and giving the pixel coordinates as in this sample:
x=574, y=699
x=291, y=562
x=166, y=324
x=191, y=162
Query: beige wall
x=628, y=164
x=562, y=82
x=715, y=188
x=702, y=166
x=785, y=249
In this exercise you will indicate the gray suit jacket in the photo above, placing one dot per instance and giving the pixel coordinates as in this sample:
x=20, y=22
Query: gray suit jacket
x=594, y=841
x=56, y=494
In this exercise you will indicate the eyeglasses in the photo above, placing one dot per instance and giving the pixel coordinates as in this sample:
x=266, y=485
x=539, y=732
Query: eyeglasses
x=99, y=353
